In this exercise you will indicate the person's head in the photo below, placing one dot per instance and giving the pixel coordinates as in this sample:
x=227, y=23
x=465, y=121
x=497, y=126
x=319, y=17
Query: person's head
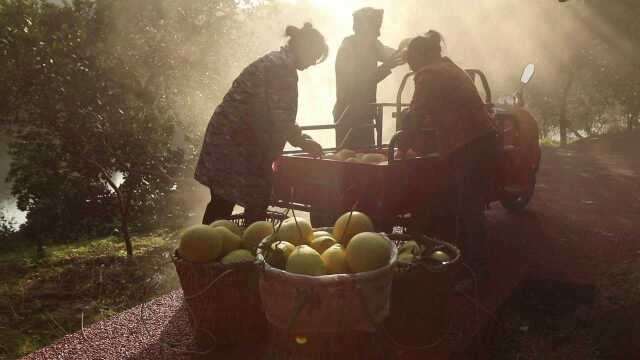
x=424, y=50
x=367, y=22
x=308, y=45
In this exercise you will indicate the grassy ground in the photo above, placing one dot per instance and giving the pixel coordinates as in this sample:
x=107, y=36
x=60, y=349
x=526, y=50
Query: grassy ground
x=42, y=299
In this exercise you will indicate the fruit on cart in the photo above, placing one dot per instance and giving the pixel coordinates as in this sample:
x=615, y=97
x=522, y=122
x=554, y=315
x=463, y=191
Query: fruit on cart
x=238, y=256
x=230, y=225
x=350, y=224
x=297, y=231
x=320, y=244
x=230, y=241
x=344, y=154
x=200, y=244
x=368, y=251
x=331, y=157
x=440, y=256
x=255, y=233
x=317, y=234
x=305, y=260
x=335, y=259
x=373, y=158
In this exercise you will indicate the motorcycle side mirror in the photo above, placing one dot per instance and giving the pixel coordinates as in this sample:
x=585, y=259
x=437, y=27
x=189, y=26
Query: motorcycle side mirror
x=527, y=74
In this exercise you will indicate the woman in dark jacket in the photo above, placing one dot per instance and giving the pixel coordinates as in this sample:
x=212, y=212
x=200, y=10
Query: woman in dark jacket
x=446, y=99
x=251, y=126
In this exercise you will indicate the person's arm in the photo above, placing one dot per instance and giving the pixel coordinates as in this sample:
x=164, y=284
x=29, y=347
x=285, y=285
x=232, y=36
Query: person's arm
x=419, y=110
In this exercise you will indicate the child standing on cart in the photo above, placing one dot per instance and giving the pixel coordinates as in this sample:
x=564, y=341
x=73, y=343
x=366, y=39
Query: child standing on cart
x=447, y=100
x=251, y=126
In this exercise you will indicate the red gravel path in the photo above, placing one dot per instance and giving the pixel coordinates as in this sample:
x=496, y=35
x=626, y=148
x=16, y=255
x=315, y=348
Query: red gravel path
x=584, y=219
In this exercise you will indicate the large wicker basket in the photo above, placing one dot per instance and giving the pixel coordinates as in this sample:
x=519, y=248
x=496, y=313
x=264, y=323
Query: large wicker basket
x=326, y=317
x=327, y=303
x=223, y=301
x=420, y=294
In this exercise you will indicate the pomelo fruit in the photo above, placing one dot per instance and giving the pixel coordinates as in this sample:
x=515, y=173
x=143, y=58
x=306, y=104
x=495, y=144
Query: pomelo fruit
x=335, y=260
x=317, y=234
x=255, y=233
x=410, y=247
x=373, y=158
x=200, y=244
x=322, y=243
x=230, y=241
x=344, y=154
x=230, y=225
x=306, y=261
x=440, y=256
x=368, y=251
x=297, y=231
x=238, y=256
x=358, y=223
x=284, y=247
x=406, y=258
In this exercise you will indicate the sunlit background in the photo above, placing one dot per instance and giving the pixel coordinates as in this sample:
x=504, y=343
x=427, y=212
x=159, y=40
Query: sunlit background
x=497, y=36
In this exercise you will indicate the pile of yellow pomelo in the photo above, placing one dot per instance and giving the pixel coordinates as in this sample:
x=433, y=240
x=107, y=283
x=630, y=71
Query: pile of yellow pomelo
x=351, y=247
x=347, y=155
x=222, y=241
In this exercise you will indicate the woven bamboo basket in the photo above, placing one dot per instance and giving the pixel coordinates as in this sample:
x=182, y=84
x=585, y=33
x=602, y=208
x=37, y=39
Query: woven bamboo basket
x=326, y=317
x=223, y=301
x=420, y=293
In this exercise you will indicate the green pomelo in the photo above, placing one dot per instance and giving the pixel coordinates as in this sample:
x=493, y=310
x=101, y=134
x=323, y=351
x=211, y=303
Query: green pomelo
x=255, y=233
x=200, y=244
x=368, y=251
x=306, y=261
x=238, y=256
x=358, y=223
x=335, y=259
x=322, y=243
x=230, y=225
x=440, y=256
x=297, y=231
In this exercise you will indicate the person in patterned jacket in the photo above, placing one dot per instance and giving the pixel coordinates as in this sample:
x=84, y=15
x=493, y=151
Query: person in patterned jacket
x=446, y=99
x=251, y=126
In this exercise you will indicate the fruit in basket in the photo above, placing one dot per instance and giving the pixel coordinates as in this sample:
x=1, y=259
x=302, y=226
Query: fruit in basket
x=406, y=258
x=230, y=225
x=297, y=231
x=317, y=234
x=331, y=157
x=350, y=224
x=368, y=251
x=255, y=233
x=278, y=253
x=440, y=256
x=230, y=241
x=335, y=260
x=410, y=247
x=306, y=261
x=283, y=247
x=344, y=154
x=320, y=244
x=353, y=160
x=238, y=256
x=200, y=244
x=373, y=158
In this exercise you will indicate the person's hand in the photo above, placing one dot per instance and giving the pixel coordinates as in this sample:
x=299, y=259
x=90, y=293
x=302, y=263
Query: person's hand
x=398, y=58
x=311, y=147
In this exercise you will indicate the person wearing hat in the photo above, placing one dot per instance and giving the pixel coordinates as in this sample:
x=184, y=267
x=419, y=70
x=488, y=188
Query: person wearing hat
x=358, y=73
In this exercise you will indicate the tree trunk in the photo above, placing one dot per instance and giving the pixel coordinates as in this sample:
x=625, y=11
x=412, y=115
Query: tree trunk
x=124, y=220
x=564, y=124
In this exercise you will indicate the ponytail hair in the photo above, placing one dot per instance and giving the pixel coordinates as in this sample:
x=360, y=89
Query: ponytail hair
x=308, y=39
